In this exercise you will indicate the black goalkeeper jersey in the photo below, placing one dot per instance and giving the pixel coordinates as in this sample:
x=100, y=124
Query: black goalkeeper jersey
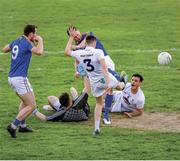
x=77, y=112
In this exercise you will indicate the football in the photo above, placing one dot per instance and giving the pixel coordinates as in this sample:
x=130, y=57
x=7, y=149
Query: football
x=164, y=58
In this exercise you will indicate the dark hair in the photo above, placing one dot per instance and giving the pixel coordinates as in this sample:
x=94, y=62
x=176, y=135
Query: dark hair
x=64, y=99
x=139, y=76
x=69, y=29
x=90, y=39
x=29, y=28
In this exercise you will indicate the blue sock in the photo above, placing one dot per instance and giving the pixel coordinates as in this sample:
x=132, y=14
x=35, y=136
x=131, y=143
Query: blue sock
x=23, y=123
x=15, y=123
x=108, y=102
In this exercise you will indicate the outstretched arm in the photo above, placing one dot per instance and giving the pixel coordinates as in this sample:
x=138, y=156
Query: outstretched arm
x=137, y=112
x=39, y=115
x=69, y=46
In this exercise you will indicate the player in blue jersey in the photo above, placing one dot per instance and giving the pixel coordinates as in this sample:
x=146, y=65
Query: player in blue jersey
x=21, y=51
x=80, y=42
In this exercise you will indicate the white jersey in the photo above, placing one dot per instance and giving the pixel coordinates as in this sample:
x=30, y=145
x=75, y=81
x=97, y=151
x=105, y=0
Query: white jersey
x=89, y=59
x=127, y=101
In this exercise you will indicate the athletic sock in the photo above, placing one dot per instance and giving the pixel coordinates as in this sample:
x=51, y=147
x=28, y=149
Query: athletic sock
x=35, y=111
x=23, y=123
x=108, y=103
x=97, y=124
x=15, y=123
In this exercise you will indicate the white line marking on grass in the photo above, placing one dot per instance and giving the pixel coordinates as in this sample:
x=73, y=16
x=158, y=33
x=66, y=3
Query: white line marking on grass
x=117, y=50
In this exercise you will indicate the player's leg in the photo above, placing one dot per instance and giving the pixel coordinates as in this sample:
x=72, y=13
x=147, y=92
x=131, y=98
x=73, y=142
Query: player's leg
x=24, y=91
x=23, y=122
x=108, y=102
x=28, y=99
x=54, y=102
x=73, y=93
x=87, y=86
x=97, y=114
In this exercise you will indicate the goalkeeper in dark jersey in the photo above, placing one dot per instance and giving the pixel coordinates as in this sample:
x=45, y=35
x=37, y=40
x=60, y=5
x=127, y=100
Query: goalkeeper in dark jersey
x=67, y=108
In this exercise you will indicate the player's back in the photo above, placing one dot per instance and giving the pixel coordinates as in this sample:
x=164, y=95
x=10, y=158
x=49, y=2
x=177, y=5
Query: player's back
x=89, y=59
x=20, y=57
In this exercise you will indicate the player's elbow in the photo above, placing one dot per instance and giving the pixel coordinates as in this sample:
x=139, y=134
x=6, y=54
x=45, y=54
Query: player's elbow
x=67, y=52
x=140, y=111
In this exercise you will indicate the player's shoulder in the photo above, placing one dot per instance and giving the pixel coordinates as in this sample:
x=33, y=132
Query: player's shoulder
x=141, y=93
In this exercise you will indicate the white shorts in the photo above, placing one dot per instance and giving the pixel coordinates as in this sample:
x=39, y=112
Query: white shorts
x=110, y=64
x=20, y=85
x=97, y=88
x=116, y=106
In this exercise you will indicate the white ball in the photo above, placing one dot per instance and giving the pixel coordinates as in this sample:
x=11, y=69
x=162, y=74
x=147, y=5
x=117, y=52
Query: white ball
x=164, y=58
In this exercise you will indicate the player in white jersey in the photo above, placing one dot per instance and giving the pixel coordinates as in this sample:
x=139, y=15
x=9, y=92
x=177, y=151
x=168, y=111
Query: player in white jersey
x=93, y=62
x=130, y=100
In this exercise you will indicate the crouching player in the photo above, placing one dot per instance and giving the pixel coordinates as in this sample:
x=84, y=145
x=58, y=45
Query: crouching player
x=129, y=101
x=94, y=64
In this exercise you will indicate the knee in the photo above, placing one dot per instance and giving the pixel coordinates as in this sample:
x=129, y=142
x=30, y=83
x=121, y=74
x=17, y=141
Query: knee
x=50, y=98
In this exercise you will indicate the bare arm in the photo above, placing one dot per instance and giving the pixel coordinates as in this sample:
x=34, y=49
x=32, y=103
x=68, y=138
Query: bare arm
x=40, y=116
x=137, y=112
x=6, y=49
x=76, y=74
x=81, y=45
x=69, y=46
x=39, y=48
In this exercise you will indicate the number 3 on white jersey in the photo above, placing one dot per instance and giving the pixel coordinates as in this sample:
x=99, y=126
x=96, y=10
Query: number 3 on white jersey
x=15, y=51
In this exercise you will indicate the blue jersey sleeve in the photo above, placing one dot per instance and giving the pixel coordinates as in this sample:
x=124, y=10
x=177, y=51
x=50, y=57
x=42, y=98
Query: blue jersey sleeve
x=30, y=46
x=11, y=45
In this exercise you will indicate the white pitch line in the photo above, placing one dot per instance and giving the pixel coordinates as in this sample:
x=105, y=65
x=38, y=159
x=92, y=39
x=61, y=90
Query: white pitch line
x=117, y=50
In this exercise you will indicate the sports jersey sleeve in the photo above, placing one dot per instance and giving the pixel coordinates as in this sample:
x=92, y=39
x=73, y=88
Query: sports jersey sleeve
x=140, y=103
x=11, y=45
x=57, y=115
x=81, y=101
x=100, y=54
x=29, y=46
x=74, y=53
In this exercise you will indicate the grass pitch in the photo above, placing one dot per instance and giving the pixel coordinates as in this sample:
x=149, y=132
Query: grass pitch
x=133, y=33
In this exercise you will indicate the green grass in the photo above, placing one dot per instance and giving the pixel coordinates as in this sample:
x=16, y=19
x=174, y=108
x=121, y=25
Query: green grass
x=133, y=32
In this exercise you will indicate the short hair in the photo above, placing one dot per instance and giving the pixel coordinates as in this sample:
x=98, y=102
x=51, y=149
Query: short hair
x=29, y=28
x=64, y=99
x=90, y=39
x=139, y=76
x=71, y=27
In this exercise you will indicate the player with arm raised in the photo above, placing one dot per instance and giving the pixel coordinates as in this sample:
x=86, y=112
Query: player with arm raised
x=93, y=62
x=21, y=52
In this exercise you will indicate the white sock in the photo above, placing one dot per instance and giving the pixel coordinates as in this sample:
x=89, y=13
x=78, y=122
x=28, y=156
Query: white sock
x=23, y=125
x=97, y=124
x=13, y=126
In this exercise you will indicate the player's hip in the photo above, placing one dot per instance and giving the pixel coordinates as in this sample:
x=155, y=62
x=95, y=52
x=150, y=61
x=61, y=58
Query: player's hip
x=19, y=84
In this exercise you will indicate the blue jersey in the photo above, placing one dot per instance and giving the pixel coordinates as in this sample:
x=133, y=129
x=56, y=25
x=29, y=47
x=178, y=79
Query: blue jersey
x=98, y=43
x=20, y=57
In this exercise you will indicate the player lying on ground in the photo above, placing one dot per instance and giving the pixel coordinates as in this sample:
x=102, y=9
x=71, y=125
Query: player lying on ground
x=94, y=64
x=68, y=108
x=129, y=101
